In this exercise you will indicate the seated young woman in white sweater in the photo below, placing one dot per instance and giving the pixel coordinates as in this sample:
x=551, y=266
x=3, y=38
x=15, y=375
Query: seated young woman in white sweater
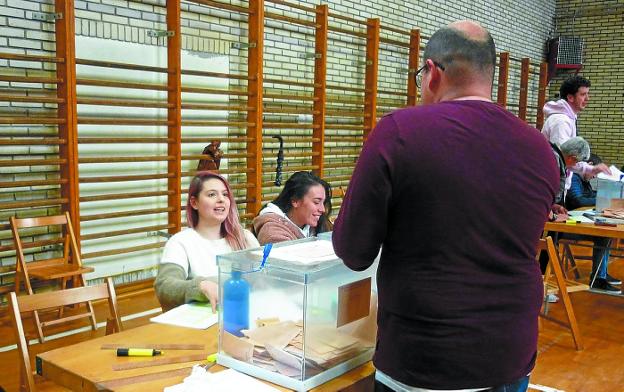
x=188, y=268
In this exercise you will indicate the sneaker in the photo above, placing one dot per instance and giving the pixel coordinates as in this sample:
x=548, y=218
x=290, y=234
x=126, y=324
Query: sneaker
x=552, y=298
x=613, y=280
x=602, y=285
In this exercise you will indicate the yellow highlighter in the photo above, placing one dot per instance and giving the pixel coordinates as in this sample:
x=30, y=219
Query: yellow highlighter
x=138, y=352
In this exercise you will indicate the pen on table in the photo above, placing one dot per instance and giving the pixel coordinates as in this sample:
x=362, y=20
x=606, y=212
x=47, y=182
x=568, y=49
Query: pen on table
x=138, y=352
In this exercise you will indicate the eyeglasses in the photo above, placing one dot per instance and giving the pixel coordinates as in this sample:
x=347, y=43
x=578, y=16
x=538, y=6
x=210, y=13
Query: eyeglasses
x=419, y=73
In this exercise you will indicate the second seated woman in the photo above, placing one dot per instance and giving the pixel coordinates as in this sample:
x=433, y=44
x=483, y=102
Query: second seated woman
x=188, y=268
x=299, y=211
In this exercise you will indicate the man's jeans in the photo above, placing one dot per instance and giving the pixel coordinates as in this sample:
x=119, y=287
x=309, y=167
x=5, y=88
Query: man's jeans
x=520, y=385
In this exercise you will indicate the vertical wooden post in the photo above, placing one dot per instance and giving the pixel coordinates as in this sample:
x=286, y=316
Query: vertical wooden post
x=66, y=90
x=524, y=88
x=174, y=115
x=414, y=64
x=320, y=91
x=541, y=95
x=373, y=27
x=503, y=78
x=254, y=103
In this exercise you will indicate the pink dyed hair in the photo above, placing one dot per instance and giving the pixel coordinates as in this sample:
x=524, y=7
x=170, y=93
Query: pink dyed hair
x=231, y=228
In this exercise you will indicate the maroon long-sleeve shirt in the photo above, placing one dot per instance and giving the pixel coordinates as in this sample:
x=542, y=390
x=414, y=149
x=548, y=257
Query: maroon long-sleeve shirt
x=457, y=193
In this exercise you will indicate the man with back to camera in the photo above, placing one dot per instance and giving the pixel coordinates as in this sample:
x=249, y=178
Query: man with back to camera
x=457, y=191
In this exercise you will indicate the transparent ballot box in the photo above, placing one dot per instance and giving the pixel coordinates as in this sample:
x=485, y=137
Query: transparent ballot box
x=299, y=319
x=608, y=191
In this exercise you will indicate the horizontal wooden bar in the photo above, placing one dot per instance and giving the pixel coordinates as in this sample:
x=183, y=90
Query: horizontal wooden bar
x=112, y=64
x=130, y=249
x=394, y=42
x=123, y=102
x=32, y=203
x=288, y=110
x=138, y=177
x=345, y=88
x=340, y=165
x=222, y=139
x=359, y=139
x=395, y=30
x=30, y=98
x=390, y=92
x=347, y=18
x=32, y=120
x=32, y=162
x=111, y=140
x=349, y=32
x=119, y=196
x=290, y=97
x=31, y=244
x=205, y=123
x=32, y=141
x=352, y=127
x=337, y=178
x=214, y=74
x=225, y=6
x=29, y=183
x=289, y=139
x=205, y=106
x=30, y=79
x=124, y=214
x=234, y=170
x=288, y=82
x=116, y=233
x=289, y=19
x=293, y=5
x=122, y=121
x=287, y=125
x=136, y=158
x=129, y=85
x=204, y=90
x=31, y=57
x=225, y=156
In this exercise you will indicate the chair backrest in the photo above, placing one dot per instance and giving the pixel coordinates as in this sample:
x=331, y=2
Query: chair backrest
x=54, y=299
x=69, y=241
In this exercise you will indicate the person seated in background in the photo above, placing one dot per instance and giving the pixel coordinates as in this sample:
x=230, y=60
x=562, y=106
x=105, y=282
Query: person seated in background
x=299, y=211
x=581, y=193
x=188, y=268
x=570, y=153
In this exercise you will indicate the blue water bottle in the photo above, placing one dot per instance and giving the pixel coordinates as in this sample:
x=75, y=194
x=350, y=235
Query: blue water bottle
x=236, y=304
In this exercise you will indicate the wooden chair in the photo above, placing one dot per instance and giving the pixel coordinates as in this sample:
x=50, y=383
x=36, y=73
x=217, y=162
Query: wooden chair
x=563, y=287
x=69, y=266
x=54, y=299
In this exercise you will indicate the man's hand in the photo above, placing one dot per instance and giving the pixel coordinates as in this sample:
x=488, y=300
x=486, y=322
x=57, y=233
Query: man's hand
x=600, y=168
x=559, y=210
x=211, y=291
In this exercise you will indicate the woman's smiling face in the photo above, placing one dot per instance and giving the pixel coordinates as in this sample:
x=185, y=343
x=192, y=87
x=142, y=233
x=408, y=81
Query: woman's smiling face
x=212, y=203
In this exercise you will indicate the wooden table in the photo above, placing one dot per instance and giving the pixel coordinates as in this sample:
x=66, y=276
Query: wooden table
x=586, y=229
x=87, y=367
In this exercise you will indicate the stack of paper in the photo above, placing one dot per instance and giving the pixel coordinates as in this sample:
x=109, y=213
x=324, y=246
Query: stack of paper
x=195, y=315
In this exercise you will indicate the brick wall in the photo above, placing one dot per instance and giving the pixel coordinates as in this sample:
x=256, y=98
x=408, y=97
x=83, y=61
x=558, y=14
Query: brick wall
x=601, y=24
x=518, y=27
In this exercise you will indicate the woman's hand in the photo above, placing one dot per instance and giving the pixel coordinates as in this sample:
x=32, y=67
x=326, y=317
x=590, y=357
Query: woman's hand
x=211, y=291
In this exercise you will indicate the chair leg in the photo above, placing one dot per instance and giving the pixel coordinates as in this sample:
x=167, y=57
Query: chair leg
x=567, y=303
x=82, y=282
x=568, y=257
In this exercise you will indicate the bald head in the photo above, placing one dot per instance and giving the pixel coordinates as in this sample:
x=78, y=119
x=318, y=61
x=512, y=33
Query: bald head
x=466, y=50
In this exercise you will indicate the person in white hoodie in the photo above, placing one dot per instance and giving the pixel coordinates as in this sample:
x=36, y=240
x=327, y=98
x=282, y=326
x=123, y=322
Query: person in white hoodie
x=561, y=115
x=299, y=211
x=560, y=124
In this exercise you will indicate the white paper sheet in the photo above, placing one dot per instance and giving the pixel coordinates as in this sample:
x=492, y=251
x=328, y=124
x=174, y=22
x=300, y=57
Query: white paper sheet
x=225, y=381
x=198, y=316
x=312, y=252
